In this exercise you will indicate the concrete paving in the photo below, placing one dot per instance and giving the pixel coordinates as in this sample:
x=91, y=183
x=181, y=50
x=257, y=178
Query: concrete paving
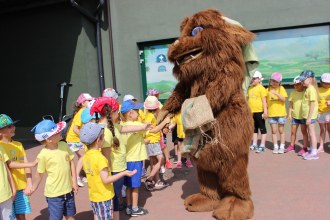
x=283, y=187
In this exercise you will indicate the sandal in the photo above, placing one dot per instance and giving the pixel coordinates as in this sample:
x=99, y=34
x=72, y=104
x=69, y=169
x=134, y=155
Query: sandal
x=161, y=185
x=149, y=184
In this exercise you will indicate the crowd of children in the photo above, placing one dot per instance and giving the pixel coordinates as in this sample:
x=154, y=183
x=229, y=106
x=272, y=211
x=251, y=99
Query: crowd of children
x=111, y=142
x=308, y=104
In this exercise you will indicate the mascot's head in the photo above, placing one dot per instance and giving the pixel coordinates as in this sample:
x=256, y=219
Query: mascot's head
x=209, y=44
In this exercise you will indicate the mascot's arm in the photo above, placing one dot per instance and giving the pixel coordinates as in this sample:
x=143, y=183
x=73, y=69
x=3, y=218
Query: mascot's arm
x=173, y=104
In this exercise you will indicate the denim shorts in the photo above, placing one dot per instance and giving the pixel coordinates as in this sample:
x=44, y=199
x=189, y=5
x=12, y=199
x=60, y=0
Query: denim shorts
x=277, y=120
x=298, y=121
x=21, y=204
x=304, y=121
x=103, y=210
x=61, y=206
x=135, y=180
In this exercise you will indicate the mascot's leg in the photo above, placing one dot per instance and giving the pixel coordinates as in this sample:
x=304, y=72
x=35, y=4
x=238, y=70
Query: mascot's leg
x=208, y=199
x=233, y=208
x=235, y=203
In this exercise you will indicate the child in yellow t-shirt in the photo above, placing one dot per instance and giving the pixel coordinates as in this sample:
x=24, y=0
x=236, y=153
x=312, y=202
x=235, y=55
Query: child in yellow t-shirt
x=324, y=109
x=295, y=99
x=309, y=111
x=96, y=167
x=256, y=97
x=114, y=147
x=7, y=188
x=276, y=96
x=136, y=153
x=19, y=166
x=177, y=121
x=56, y=159
x=84, y=100
x=155, y=154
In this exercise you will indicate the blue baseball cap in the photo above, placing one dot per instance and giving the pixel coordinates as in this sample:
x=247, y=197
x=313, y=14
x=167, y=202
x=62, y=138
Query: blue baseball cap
x=47, y=128
x=129, y=105
x=86, y=115
x=306, y=74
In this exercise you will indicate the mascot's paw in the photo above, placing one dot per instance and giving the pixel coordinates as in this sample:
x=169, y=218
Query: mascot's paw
x=161, y=116
x=233, y=208
x=200, y=203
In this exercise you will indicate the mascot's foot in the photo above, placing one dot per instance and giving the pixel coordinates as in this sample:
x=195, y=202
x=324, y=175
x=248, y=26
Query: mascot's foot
x=233, y=208
x=200, y=203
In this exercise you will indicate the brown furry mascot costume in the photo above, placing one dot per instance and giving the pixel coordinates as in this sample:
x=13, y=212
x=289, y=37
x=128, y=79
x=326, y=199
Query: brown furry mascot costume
x=208, y=61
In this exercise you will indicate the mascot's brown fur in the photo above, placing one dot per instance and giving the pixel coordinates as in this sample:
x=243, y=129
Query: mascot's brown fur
x=209, y=61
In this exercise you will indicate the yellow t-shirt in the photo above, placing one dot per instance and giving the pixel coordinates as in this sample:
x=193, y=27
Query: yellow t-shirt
x=135, y=147
x=117, y=155
x=16, y=153
x=296, y=99
x=152, y=137
x=255, y=95
x=276, y=107
x=72, y=136
x=324, y=95
x=56, y=163
x=179, y=125
x=309, y=95
x=93, y=163
x=5, y=189
x=141, y=116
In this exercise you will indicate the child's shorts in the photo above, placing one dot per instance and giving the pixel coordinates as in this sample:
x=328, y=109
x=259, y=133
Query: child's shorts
x=103, y=210
x=323, y=118
x=277, y=120
x=61, y=206
x=303, y=121
x=259, y=123
x=297, y=121
x=75, y=146
x=154, y=149
x=135, y=180
x=21, y=205
x=6, y=210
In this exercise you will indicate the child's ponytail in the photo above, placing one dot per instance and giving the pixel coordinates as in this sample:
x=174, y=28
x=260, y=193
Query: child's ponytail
x=111, y=127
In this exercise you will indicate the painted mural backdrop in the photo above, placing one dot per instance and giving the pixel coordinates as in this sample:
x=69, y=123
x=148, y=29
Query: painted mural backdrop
x=293, y=50
x=159, y=70
x=287, y=51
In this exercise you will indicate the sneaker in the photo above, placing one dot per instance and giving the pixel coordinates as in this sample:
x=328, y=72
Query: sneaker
x=302, y=151
x=168, y=164
x=275, y=150
x=310, y=156
x=253, y=147
x=281, y=150
x=149, y=185
x=161, y=185
x=260, y=149
x=162, y=169
x=189, y=164
x=144, y=172
x=175, y=160
x=128, y=211
x=138, y=212
x=179, y=164
x=79, y=182
x=289, y=149
x=84, y=180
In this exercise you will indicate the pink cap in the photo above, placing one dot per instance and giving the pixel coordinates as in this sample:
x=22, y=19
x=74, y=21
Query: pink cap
x=84, y=97
x=325, y=77
x=276, y=76
x=151, y=103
